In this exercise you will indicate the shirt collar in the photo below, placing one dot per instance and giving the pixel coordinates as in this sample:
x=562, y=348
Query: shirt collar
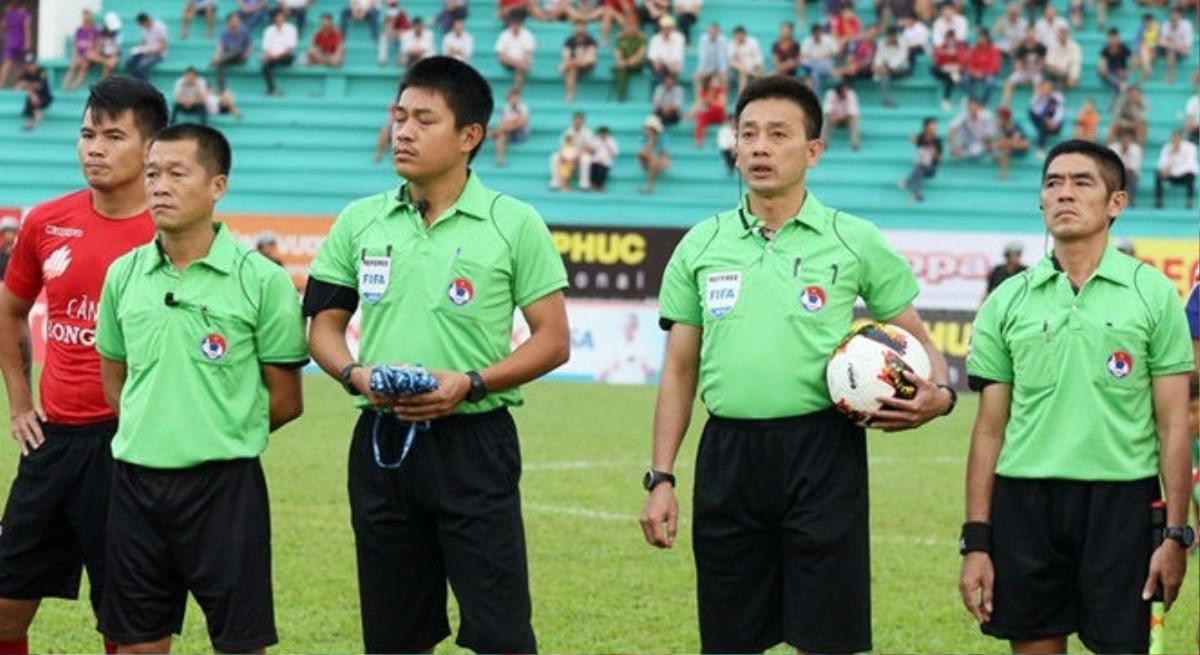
x=473, y=201
x=1114, y=267
x=812, y=214
x=221, y=254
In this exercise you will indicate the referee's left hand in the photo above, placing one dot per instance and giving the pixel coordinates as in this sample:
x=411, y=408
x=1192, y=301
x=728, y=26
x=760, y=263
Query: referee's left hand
x=898, y=414
x=452, y=388
x=1167, y=567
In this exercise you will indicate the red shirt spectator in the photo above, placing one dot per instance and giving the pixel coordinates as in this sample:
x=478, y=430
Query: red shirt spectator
x=845, y=25
x=950, y=53
x=983, y=60
x=328, y=40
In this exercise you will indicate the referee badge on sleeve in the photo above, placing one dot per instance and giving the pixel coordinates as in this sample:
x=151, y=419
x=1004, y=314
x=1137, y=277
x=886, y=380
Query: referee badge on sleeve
x=721, y=292
x=373, y=274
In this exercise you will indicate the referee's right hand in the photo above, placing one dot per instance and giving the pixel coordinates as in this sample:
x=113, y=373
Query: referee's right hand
x=660, y=518
x=975, y=584
x=27, y=430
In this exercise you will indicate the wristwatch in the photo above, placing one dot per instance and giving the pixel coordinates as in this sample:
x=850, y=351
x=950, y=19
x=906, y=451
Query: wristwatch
x=344, y=378
x=976, y=537
x=1184, y=534
x=478, y=389
x=953, y=398
x=654, y=477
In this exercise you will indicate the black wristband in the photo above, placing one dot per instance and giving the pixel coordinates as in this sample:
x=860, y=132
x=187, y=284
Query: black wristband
x=344, y=378
x=976, y=537
x=953, y=398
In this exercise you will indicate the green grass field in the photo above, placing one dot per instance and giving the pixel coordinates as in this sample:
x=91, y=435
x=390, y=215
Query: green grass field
x=596, y=586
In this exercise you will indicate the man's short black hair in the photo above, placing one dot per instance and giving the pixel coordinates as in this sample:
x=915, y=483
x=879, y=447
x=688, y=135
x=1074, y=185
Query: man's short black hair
x=468, y=95
x=143, y=18
x=111, y=97
x=212, y=149
x=1112, y=170
x=928, y=119
x=1112, y=31
x=739, y=30
x=788, y=88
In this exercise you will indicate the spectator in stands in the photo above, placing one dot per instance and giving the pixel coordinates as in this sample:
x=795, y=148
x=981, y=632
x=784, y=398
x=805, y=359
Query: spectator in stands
x=1175, y=42
x=845, y=26
x=1010, y=28
x=1113, y=65
x=328, y=48
x=841, y=110
x=1048, y=26
x=298, y=10
x=150, y=51
x=817, y=56
x=687, y=14
x=727, y=143
x=9, y=226
x=549, y=10
x=452, y=11
x=745, y=58
x=653, y=156
x=929, y=155
x=604, y=151
x=667, y=102
x=914, y=36
x=18, y=40
x=507, y=9
x=85, y=45
x=785, y=52
x=191, y=95
x=575, y=142
x=193, y=7
x=949, y=63
x=1178, y=166
x=973, y=132
x=417, y=43
x=252, y=13
x=458, y=42
x=108, y=55
x=585, y=10
x=578, y=58
x=222, y=102
x=889, y=11
x=361, y=11
x=711, y=99
x=629, y=56
x=653, y=11
x=891, y=63
x=950, y=20
x=36, y=85
x=1047, y=108
x=1028, y=58
x=514, y=49
x=395, y=24
x=267, y=245
x=860, y=55
x=712, y=55
x=835, y=7
x=618, y=12
x=979, y=7
x=1191, y=112
x=1086, y=121
x=233, y=48
x=278, y=49
x=1010, y=141
x=983, y=68
x=1064, y=60
x=513, y=127
x=1146, y=44
x=1011, y=266
x=665, y=51
x=1130, y=114
x=566, y=160
x=1130, y=152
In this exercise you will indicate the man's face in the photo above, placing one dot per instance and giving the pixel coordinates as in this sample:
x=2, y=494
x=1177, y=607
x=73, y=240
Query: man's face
x=458, y=27
x=191, y=77
x=580, y=29
x=785, y=31
x=1075, y=203
x=417, y=27
x=1012, y=257
x=973, y=108
x=280, y=18
x=1113, y=40
x=326, y=23
x=515, y=27
x=425, y=141
x=1176, y=139
x=773, y=151
x=235, y=22
x=577, y=121
x=7, y=239
x=1062, y=37
x=87, y=17
x=740, y=37
x=1014, y=11
x=1050, y=14
x=112, y=152
x=180, y=192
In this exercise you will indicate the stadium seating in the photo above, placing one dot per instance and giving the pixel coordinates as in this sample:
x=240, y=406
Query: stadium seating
x=309, y=151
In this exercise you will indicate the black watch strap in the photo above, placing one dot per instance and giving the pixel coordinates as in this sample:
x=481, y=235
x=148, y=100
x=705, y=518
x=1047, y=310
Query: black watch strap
x=976, y=537
x=953, y=398
x=654, y=477
x=344, y=378
x=478, y=390
x=1184, y=534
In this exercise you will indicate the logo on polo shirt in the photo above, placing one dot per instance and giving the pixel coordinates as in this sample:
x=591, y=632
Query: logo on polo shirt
x=461, y=292
x=1120, y=364
x=812, y=298
x=721, y=292
x=214, y=346
x=57, y=263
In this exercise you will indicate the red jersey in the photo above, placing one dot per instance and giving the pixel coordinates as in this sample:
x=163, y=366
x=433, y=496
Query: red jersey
x=64, y=246
x=328, y=41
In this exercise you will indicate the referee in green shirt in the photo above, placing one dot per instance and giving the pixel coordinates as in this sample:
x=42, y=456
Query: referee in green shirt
x=756, y=299
x=1083, y=362
x=201, y=343
x=439, y=266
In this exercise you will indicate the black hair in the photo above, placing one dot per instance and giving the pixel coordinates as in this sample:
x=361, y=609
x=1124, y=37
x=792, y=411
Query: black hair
x=926, y=121
x=190, y=69
x=111, y=97
x=739, y=30
x=1112, y=31
x=789, y=88
x=1112, y=170
x=468, y=95
x=143, y=18
x=326, y=15
x=212, y=148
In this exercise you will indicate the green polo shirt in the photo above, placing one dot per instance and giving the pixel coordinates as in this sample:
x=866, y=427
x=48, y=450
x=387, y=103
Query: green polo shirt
x=1081, y=366
x=450, y=290
x=772, y=312
x=194, y=391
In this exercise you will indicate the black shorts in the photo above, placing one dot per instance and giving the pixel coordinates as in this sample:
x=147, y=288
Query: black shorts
x=54, y=520
x=1072, y=556
x=780, y=535
x=452, y=511
x=204, y=529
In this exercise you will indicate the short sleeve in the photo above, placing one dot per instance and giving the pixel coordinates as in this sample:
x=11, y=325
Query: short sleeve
x=110, y=337
x=679, y=296
x=538, y=270
x=335, y=262
x=279, y=335
x=988, y=355
x=1170, y=344
x=23, y=277
x=886, y=282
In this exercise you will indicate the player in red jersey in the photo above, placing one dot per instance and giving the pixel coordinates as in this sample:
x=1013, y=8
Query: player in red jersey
x=54, y=519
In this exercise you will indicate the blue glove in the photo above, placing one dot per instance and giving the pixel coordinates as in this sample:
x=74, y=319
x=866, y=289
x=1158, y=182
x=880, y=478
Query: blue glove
x=399, y=382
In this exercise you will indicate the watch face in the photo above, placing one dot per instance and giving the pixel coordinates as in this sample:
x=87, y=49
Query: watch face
x=647, y=479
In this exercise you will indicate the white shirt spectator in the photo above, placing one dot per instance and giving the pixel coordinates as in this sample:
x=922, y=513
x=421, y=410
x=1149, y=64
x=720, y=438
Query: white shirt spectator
x=190, y=93
x=746, y=54
x=154, y=39
x=666, y=51
x=826, y=50
x=516, y=46
x=687, y=6
x=1179, y=162
x=520, y=110
x=604, y=150
x=893, y=58
x=835, y=105
x=1047, y=31
x=958, y=23
x=1132, y=158
x=916, y=36
x=459, y=46
x=1008, y=33
x=279, y=40
x=581, y=136
x=1066, y=57
x=1178, y=35
x=410, y=41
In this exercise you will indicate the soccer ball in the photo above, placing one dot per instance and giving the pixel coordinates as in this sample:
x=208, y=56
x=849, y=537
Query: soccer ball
x=868, y=364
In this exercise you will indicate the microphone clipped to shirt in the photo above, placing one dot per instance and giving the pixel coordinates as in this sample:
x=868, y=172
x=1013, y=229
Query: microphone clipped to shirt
x=169, y=300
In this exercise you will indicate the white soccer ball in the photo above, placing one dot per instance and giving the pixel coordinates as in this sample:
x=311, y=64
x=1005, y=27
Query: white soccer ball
x=869, y=364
